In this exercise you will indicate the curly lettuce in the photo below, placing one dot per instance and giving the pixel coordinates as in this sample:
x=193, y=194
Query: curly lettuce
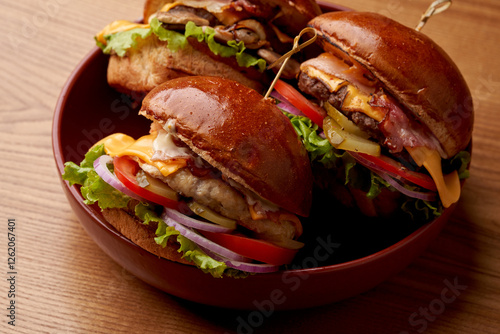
x=357, y=176
x=232, y=49
x=175, y=39
x=190, y=250
x=122, y=41
x=95, y=190
x=319, y=148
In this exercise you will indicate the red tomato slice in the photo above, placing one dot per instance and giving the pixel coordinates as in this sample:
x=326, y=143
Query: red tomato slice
x=394, y=167
x=126, y=170
x=252, y=248
x=314, y=112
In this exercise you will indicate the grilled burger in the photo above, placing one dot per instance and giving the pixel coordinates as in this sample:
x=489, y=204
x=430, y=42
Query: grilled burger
x=234, y=39
x=396, y=111
x=218, y=182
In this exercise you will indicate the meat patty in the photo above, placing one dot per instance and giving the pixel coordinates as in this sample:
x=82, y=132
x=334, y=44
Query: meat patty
x=368, y=125
x=224, y=199
x=211, y=192
x=313, y=87
x=318, y=90
x=177, y=17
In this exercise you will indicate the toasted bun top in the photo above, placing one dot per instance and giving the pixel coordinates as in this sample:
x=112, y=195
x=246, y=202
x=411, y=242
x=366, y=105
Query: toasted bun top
x=295, y=13
x=414, y=69
x=238, y=132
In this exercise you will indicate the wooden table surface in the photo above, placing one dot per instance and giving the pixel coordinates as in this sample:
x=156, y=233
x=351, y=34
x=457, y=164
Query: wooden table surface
x=65, y=284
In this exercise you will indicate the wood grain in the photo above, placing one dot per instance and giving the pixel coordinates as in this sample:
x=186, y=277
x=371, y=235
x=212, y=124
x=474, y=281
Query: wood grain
x=67, y=285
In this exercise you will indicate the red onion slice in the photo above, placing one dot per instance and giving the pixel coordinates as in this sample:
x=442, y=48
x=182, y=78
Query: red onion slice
x=427, y=196
x=195, y=223
x=392, y=179
x=252, y=267
x=285, y=105
x=259, y=268
x=204, y=242
x=101, y=168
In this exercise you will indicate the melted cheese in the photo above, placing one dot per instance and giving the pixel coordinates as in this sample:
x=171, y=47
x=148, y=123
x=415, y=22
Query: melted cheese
x=332, y=82
x=355, y=100
x=211, y=6
x=119, y=144
x=448, y=186
x=117, y=26
x=169, y=6
x=165, y=147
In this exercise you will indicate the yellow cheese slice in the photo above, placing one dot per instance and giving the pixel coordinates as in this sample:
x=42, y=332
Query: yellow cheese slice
x=355, y=100
x=448, y=186
x=331, y=82
x=169, y=6
x=119, y=144
x=118, y=26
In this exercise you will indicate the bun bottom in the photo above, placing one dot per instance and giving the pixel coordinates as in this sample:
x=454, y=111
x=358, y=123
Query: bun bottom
x=152, y=63
x=142, y=235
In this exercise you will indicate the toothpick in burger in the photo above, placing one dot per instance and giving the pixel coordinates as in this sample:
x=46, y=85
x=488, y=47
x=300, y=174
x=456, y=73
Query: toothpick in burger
x=386, y=116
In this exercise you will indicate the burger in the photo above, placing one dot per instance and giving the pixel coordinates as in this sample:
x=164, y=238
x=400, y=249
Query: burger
x=219, y=182
x=386, y=116
x=234, y=39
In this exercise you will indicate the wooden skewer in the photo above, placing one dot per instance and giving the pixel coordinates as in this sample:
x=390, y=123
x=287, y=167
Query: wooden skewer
x=296, y=48
x=436, y=7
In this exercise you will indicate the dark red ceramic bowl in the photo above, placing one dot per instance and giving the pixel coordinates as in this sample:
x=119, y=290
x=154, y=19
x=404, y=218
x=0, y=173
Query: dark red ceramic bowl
x=345, y=255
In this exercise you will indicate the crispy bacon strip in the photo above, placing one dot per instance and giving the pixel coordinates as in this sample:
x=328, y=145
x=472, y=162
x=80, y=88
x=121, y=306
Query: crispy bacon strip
x=399, y=130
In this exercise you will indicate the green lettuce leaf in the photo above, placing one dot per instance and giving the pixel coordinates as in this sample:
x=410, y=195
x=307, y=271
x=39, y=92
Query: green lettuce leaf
x=190, y=250
x=94, y=189
x=460, y=163
x=124, y=40
x=359, y=177
x=75, y=174
x=175, y=39
x=376, y=186
x=245, y=59
x=193, y=253
x=351, y=171
x=420, y=210
x=147, y=213
x=232, y=49
x=319, y=149
x=163, y=232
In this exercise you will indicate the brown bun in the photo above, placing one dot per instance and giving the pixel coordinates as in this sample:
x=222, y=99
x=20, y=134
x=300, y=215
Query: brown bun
x=142, y=235
x=152, y=6
x=152, y=63
x=238, y=132
x=414, y=69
